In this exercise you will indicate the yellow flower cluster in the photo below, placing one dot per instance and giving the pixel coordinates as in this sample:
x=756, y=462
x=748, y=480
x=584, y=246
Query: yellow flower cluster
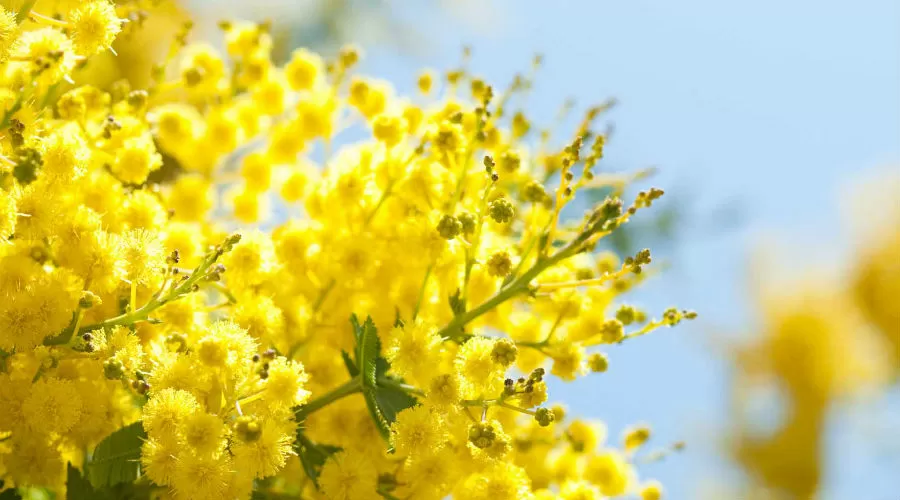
x=387, y=339
x=823, y=342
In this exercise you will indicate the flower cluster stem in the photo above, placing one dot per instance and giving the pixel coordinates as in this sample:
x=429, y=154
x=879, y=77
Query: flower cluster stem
x=352, y=386
x=142, y=313
x=454, y=329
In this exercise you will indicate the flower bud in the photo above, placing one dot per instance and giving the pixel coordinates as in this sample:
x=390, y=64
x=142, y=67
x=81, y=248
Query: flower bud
x=137, y=99
x=504, y=352
x=113, y=369
x=501, y=210
x=544, y=416
x=598, y=362
x=88, y=300
x=625, y=314
x=247, y=428
x=387, y=482
x=468, y=222
x=177, y=342
x=231, y=241
x=612, y=331
x=636, y=436
x=499, y=264
x=449, y=227
x=482, y=435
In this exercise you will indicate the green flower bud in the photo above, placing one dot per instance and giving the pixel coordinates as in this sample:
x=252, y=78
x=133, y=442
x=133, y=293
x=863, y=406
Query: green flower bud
x=247, y=428
x=501, y=210
x=500, y=264
x=113, y=369
x=387, y=482
x=642, y=257
x=88, y=300
x=482, y=435
x=26, y=168
x=504, y=352
x=544, y=416
x=510, y=161
x=140, y=386
x=193, y=76
x=673, y=316
x=137, y=98
x=468, y=222
x=625, y=314
x=598, y=362
x=611, y=208
x=177, y=342
x=231, y=241
x=449, y=227
x=612, y=331
x=534, y=192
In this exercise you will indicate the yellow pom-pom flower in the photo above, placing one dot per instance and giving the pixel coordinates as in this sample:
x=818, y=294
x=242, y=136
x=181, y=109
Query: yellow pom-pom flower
x=94, y=26
x=417, y=431
x=349, y=476
x=48, y=54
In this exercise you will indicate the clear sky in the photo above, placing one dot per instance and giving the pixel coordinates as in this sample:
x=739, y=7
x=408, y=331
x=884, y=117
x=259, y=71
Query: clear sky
x=773, y=107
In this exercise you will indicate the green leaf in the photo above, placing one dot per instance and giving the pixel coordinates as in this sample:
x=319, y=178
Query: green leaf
x=312, y=456
x=78, y=487
x=117, y=458
x=9, y=494
x=392, y=401
x=367, y=349
x=357, y=329
x=457, y=304
x=348, y=362
x=384, y=427
x=382, y=401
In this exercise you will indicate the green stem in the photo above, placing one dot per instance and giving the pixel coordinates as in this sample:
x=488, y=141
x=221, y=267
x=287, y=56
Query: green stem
x=478, y=402
x=519, y=285
x=476, y=241
x=323, y=295
x=143, y=313
x=46, y=100
x=546, y=342
x=224, y=291
x=534, y=345
x=485, y=402
x=384, y=196
x=649, y=327
x=422, y=291
x=460, y=181
x=523, y=257
x=352, y=386
x=310, y=324
x=22, y=15
x=516, y=408
x=400, y=386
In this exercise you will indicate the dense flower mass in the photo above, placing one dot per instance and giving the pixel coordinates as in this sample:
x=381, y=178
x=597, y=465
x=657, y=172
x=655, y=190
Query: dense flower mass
x=388, y=335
